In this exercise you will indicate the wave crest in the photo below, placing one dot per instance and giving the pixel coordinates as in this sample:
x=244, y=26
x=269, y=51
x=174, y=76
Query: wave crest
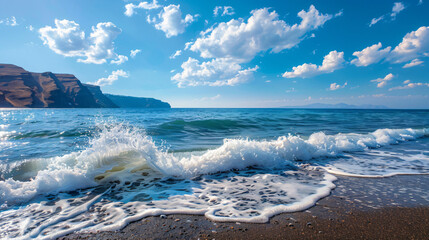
x=118, y=145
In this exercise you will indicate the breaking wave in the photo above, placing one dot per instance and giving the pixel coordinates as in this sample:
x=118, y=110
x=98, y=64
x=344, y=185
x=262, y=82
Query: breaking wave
x=118, y=150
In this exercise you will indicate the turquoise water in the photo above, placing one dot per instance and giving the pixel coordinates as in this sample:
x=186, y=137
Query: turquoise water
x=65, y=170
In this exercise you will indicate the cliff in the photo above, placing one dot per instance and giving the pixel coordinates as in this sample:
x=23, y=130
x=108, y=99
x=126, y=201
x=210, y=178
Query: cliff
x=137, y=102
x=100, y=98
x=22, y=89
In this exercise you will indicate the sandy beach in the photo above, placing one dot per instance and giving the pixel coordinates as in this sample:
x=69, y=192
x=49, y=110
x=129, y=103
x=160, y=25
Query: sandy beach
x=358, y=208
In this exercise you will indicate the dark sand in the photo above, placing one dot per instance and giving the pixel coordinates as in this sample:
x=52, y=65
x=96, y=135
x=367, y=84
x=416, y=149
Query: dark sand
x=358, y=208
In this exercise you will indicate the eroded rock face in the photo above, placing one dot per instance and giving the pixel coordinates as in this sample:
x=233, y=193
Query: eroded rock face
x=100, y=98
x=20, y=88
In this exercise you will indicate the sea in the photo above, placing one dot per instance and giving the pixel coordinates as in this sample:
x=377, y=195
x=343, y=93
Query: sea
x=89, y=170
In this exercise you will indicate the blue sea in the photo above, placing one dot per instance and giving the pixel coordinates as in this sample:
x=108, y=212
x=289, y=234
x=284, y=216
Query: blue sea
x=67, y=170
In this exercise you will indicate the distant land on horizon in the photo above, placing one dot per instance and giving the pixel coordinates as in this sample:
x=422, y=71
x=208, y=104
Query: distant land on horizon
x=338, y=106
x=22, y=89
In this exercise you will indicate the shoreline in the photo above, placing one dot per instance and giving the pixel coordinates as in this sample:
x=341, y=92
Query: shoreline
x=394, y=207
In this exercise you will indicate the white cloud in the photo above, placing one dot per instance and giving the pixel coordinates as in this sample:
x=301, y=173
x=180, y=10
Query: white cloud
x=176, y=54
x=413, y=63
x=242, y=40
x=370, y=55
x=210, y=98
x=339, y=14
x=130, y=8
x=170, y=21
x=335, y=86
x=397, y=8
x=9, y=21
x=30, y=27
x=409, y=85
x=217, y=72
x=375, y=20
x=415, y=44
x=133, y=53
x=68, y=40
x=383, y=81
x=111, y=78
x=223, y=10
x=331, y=62
x=121, y=59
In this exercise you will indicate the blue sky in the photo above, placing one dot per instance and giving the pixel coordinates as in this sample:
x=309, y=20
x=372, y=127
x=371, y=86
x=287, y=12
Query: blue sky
x=258, y=54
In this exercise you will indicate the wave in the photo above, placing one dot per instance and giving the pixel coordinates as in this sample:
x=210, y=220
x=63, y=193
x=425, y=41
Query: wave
x=119, y=150
x=128, y=177
x=50, y=134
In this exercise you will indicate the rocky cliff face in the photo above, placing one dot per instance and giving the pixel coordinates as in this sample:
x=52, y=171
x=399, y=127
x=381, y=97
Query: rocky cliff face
x=100, y=98
x=20, y=88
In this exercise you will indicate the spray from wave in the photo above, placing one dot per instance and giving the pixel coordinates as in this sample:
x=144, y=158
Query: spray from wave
x=119, y=149
x=123, y=176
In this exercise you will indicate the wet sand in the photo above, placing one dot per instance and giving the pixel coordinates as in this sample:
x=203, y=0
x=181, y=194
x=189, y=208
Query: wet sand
x=358, y=208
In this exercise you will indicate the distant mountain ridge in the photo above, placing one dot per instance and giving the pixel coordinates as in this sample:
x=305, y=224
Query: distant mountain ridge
x=22, y=89
x=338, y=106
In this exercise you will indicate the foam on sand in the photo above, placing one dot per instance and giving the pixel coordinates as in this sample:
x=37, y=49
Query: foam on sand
x=123, y=176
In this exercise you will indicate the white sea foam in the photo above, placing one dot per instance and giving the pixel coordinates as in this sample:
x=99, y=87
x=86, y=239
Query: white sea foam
x=281, y=184
x=119, y=146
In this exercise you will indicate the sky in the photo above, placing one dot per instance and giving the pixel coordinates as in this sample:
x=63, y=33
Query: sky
x=217, y=53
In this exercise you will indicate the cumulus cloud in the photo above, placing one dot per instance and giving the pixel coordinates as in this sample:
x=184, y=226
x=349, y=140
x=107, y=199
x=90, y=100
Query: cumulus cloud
x=9, y=21
x=130, y=8
x=223, y=11
x=331, y=62
x=383, y=81
x=397, y=8
x=133, y=53
x=111, y=78
x=67, y=39
x=230, y=44
x=121, y=59
x=242, y=40
x=170, y=21
x=370, y=55
x=413, y=63
x=335, y=86
x=415, y=44
x=408, y=85
x=217, y=72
